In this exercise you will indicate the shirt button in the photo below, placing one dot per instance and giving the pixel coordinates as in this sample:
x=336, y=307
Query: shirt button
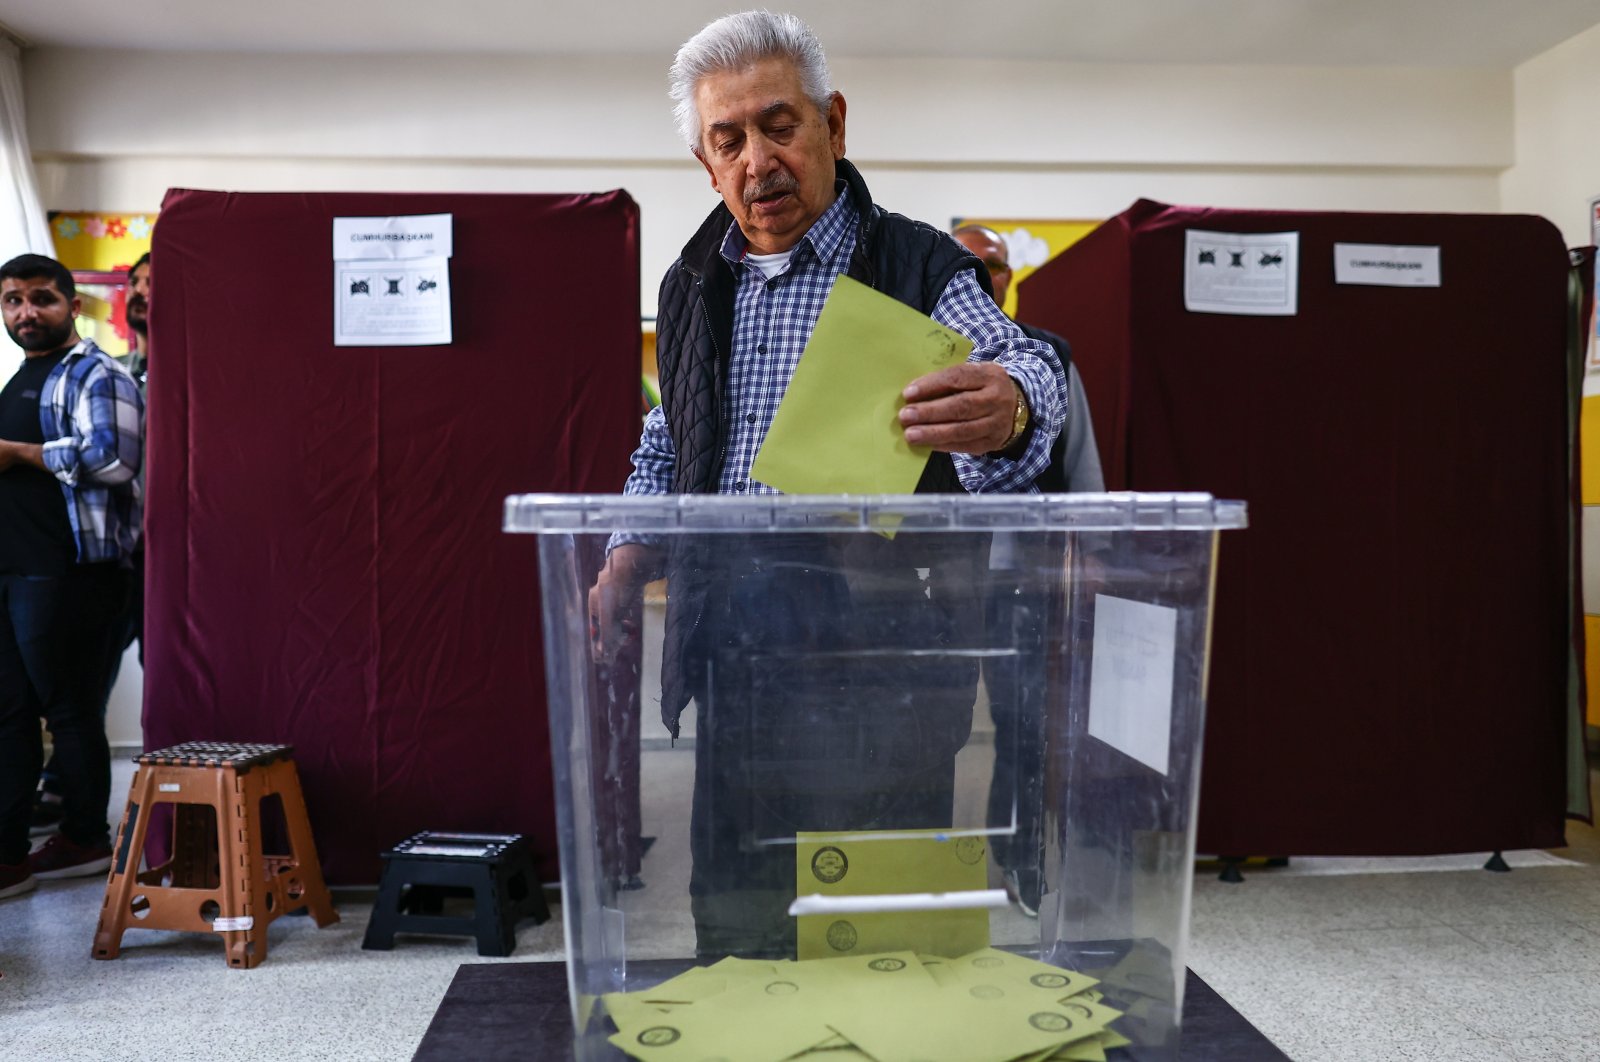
x=772, y=285
x=751, y=417
x=738, y=485
x=761, y=348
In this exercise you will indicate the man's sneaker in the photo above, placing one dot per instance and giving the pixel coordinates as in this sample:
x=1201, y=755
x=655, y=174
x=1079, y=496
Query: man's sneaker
x=1025, y=888
x=16, y=879
x=60, y=858
x=46, y=818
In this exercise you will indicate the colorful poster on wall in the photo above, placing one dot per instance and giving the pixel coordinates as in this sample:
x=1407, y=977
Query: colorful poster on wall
x=102, y=243
x=1030, y=244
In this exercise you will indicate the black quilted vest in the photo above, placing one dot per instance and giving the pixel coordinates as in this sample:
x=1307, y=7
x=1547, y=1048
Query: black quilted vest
x=906, y=259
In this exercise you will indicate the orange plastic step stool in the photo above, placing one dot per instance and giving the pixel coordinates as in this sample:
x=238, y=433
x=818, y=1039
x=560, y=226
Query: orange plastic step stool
x=219, y=879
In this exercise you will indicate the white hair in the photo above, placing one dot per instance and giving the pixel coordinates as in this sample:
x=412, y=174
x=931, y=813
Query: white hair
x=735, y=41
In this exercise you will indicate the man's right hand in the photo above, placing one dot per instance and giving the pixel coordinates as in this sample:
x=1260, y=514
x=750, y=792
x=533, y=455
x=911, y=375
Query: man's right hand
x=615, y=598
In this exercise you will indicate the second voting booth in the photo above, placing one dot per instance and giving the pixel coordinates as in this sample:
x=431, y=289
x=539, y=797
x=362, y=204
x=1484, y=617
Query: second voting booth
x=1398, y=646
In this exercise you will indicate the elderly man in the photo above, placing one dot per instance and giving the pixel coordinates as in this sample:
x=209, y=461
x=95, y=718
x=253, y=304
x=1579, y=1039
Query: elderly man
x=71, y=432
x=756, y=107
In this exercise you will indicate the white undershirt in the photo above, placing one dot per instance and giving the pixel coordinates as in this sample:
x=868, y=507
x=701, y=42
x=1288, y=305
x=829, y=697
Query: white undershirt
x=770, y=264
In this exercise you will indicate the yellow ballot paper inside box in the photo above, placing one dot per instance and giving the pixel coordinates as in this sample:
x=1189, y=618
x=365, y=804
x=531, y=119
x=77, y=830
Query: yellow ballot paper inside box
x=837, y=430
x=902, y=890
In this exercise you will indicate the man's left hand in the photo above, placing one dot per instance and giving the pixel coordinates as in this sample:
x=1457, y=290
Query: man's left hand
x=965, y=409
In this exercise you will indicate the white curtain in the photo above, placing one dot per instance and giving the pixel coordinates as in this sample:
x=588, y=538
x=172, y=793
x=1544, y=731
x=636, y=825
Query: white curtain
x=23, y=226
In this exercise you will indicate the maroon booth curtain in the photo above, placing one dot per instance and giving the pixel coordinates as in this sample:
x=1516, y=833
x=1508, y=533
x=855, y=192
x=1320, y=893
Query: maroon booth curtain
x=1391, y=651
x=325, y=561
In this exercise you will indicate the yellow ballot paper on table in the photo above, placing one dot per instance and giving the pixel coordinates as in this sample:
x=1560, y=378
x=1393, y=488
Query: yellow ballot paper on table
x=837, y=429
x=988, y=1006
x=897, y=862
x=760, y=1019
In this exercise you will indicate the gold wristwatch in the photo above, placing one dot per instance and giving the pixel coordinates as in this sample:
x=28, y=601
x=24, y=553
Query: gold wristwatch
x=1019, y=417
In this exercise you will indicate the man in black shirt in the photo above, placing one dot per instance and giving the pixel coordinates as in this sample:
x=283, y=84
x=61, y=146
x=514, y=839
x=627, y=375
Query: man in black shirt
x=71, y=432
x=47, y=805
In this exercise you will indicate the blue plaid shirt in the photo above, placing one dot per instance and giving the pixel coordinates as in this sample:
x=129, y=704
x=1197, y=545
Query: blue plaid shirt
x=93, y=420
x=773, y=320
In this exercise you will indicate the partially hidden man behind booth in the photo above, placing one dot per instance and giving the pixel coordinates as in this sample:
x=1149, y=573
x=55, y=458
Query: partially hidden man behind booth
x=71, y=434
x=1023, y=604
x=791, y=733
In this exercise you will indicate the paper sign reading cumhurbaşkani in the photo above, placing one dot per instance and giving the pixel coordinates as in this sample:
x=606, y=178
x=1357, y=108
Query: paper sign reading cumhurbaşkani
x=391, y=281
x=1386, y=265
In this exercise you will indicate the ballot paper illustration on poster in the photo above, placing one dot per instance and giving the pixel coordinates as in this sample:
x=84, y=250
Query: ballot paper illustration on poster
x=1254, y=274
x=391, y=281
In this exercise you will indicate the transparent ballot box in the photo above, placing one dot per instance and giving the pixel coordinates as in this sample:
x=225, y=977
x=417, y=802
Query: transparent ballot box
x=891, y=778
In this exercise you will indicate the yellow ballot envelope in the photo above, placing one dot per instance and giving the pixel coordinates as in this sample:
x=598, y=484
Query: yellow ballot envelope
x=837, y=429
x=890, y=863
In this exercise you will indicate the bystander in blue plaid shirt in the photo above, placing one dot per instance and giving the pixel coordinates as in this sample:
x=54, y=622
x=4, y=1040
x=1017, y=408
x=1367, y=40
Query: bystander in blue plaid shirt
x=93, y=421
x=772, y=323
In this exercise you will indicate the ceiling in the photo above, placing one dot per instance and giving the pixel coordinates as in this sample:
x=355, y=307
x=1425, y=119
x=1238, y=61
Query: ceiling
x=1431, y=33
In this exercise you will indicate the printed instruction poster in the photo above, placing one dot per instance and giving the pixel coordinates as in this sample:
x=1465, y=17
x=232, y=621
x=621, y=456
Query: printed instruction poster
x=391, y=280
x=1256, y=274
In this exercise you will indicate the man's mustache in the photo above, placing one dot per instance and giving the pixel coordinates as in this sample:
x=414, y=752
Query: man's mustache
x=774, y=184
x=137, y=302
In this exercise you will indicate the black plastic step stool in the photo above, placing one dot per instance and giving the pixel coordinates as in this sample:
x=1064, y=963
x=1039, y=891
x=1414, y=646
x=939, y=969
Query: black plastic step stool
x=420, y=872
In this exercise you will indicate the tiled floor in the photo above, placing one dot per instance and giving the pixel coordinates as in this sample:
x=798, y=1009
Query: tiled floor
x=171, y=996
x=1450, y=966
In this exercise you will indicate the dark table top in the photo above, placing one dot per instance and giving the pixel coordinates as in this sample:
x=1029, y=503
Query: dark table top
x=496, y=1011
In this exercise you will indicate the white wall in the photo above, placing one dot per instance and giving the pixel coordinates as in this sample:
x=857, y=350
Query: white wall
x=125, y=709
x=935, y=139
x=1557, y=170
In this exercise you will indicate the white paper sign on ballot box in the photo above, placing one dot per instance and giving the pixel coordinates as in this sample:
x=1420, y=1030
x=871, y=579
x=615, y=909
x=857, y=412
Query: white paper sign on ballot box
x=391, y=281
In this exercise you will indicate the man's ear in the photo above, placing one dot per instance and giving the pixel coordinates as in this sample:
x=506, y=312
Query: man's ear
x=712, y=173
x=836, y=125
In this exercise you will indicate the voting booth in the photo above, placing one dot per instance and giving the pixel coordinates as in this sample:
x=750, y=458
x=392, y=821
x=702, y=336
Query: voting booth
x=829, y=769
x=346, y=386
x=1398, y=638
